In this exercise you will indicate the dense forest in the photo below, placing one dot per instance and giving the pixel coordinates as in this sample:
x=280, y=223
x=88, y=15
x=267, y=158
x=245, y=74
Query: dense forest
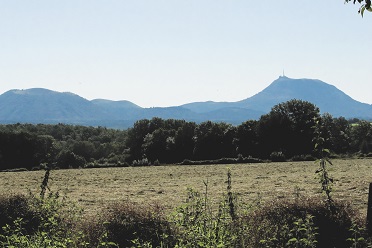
x=286, y=132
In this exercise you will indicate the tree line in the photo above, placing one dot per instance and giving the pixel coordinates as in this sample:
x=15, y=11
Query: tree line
x=286, y=132
x=35, y=146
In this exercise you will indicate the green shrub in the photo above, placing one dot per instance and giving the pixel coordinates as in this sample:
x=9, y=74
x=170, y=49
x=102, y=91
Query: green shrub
x=238, y=160
x=157, y=162
x=273, y=224
x=126, y=223
x=198, y=225
x=41, y=222
x=277, y=157
x=13, y=206
x=306, y=157
x=141, y=162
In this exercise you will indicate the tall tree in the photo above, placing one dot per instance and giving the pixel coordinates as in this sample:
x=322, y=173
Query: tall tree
x=183, y=142
x=154, y=145
x=246, y=138
x=361, y=135
x=214, y=140
x=136, y=137
x=336, y=133
x=288, y=128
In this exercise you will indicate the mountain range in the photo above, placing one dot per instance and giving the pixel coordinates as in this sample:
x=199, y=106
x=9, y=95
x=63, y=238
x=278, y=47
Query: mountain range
x=40, y=105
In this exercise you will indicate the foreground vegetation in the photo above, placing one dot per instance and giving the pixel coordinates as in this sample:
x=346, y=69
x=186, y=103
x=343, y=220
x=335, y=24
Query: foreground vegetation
x=51, y=222
x=255, y=205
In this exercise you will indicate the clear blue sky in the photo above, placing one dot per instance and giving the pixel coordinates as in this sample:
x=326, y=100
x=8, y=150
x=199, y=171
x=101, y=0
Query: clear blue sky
x=171, y=52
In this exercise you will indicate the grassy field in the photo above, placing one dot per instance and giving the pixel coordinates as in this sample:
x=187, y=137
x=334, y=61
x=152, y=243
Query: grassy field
x=94, y=188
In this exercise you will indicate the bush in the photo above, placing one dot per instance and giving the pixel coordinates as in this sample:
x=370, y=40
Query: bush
x=14, y=206
x=273, y=223
x=141, y=162
x=68, y=159
x=31, y=221
x=157, y=162
x=128, y=223
x=302, y=157
x=277, y=157
x=15, y=170
x=238, y=160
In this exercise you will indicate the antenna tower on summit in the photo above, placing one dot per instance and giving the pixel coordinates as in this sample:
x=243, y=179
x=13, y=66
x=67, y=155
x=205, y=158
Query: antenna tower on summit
x=283, y=73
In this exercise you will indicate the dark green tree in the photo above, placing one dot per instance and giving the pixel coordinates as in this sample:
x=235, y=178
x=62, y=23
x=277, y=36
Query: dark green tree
x=154, y=145
x=23, y=150
x=85, y=149
x=142, y=141
x=336, y=133
x=341, y=135
x=361, y=137
x=246, y=138
x=67, y=159
x=46, y=149
x=214, y=140
x=136, y=137
x=183, y=145
x=288, y=128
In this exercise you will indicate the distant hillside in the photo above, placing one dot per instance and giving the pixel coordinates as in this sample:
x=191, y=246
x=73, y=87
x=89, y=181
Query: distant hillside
x=45, y=106
x=118, y=110
x=327, y=97
x=42, y=105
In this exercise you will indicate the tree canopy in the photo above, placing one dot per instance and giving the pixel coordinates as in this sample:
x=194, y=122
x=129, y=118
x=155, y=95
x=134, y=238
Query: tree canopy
x=286, y=132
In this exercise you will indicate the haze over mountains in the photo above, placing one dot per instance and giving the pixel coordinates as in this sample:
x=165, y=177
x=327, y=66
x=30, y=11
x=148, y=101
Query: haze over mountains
x=45, y=106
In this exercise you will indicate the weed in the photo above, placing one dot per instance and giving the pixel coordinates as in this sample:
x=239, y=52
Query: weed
x=199, y=226
x=230, y=197
x=44, y=184
x=325, y=179
x=303, y=234
x=357, y=239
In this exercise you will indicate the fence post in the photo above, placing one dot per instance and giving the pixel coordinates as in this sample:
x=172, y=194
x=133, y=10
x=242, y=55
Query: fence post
x=369, y=210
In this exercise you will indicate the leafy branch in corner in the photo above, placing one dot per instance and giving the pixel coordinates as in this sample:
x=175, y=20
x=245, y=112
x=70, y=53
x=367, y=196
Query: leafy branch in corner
x=366, y=5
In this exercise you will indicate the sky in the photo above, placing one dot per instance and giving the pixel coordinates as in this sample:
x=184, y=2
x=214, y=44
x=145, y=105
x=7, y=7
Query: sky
x=158, y=53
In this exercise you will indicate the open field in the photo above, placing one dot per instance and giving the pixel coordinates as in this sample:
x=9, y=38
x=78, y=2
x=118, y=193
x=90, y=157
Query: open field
x=93, y=188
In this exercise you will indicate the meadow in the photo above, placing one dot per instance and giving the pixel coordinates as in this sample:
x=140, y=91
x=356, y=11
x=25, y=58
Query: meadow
x=167, y=185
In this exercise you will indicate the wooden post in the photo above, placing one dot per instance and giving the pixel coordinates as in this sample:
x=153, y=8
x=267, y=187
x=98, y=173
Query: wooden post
x=369, y=210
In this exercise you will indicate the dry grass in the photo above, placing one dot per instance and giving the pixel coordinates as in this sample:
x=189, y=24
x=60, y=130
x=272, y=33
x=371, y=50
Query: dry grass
x=94, y=188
